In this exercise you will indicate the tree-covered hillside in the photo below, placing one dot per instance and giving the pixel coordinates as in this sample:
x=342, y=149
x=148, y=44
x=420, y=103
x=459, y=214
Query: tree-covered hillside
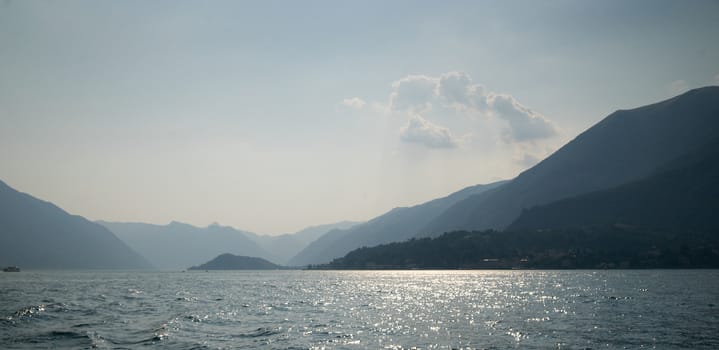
x=608, y=247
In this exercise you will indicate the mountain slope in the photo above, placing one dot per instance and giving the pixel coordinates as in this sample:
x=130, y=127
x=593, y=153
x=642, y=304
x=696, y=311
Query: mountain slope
x=178, y=245
x=683, y=198
x=396, y=225
x=38, y=234
x=625, y=146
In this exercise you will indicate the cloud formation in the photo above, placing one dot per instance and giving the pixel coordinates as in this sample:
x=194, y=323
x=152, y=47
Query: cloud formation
x=413, y=93
x=458, y=91
x=421, y=131
x=455, y=90
x=354, y=102
x=524, y=124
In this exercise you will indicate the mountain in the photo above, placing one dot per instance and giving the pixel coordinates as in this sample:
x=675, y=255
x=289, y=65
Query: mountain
x=283, y=247
x=178, y=245
x=626, y=146
x=683, y=197
x=38, y=235
x=235, y=262
x=396, y=225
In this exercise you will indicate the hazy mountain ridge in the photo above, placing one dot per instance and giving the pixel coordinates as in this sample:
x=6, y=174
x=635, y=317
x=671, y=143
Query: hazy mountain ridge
x=178, y=245
x=38, y=234
x=626, y=146
x=396, y=225
x=286, y=246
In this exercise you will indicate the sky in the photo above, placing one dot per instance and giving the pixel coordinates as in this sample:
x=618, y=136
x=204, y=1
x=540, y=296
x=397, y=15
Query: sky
x=271, y=116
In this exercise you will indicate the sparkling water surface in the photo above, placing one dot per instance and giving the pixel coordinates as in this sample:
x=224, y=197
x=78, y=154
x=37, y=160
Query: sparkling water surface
x=663, y=309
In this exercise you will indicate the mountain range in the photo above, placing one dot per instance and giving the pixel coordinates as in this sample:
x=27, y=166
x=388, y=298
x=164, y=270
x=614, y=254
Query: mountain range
x=396, y=225
x=39, y=235
x=652, y=167
x=36, y=234
x=179, y=245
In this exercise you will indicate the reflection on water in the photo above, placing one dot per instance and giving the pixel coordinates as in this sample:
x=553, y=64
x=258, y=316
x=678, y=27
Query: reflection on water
x=358, y=310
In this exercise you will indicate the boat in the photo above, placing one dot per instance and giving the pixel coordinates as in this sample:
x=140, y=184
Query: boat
x=11, y=269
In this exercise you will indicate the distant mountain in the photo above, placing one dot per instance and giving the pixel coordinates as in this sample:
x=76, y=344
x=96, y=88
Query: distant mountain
x=283, y=247
x=626, y=146
x=235, y=262
x=396, y=225
x=322, y=249
x=683, y=197
x=177, y=245
x=38, y=235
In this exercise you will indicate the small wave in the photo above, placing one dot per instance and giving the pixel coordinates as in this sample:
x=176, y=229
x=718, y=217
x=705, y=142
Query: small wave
x=61, y=339
x=31, y=311
x=148, y=336
x=69, y=334
x=197, y=318
x=146, y=341
x=261, y=332
x=133, y=294
x=81, y=325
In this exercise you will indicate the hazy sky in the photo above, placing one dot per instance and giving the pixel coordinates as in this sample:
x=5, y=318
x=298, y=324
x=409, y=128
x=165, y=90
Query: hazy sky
x=274, y=115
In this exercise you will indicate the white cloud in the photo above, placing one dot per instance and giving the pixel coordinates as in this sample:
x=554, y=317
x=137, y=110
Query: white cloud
x=458, y=91
x=354, y=102
x=421, y=131
x=524, y=124
x=413, y=93
x=716, y=79
x=424, y=95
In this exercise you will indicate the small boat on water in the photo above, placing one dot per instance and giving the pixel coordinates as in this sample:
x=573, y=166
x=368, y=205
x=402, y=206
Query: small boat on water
x=11, y=269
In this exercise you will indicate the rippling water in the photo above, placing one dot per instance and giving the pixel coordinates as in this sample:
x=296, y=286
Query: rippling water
x=358, y=310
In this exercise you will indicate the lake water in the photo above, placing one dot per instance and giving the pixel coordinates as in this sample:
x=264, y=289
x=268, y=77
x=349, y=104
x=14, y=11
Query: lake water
x=361, y=310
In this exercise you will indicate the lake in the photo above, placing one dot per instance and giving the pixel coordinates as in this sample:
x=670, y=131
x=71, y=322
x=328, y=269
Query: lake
x=615, y=309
